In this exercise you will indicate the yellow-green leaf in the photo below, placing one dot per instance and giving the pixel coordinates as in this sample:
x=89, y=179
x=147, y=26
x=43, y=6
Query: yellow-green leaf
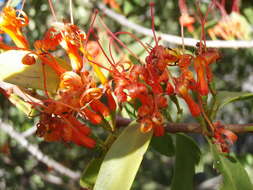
x=23, y=106
x=123, y=160
x=27, y=76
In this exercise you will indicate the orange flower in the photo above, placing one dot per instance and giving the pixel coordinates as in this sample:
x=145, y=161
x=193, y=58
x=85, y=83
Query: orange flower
x=111, y=101
x=224, y=137
x=11, y=23
x=146, y=125
x=70, y=80
x=68, y=129
x=100, y=108
x=112, y=3
x=187, y=21
x=202, y=84
x=182, y=90
x=210, y=56
x=70, y=37
x=92, y=116
x=50, y=40
x=72, y=41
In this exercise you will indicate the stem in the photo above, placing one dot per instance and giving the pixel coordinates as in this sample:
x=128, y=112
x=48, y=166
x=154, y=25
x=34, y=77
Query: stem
x=192, y=127
x=172, y=38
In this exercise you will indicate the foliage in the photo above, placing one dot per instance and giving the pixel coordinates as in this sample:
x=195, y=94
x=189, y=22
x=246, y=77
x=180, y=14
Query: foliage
x=79, y=94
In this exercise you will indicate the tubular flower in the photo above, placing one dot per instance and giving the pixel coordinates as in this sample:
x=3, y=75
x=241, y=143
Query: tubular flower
x=11, y=22
x=50, y=40
x=111, y=101
x=223, y=137
x=210, y=56
x=71, y=81
x=69, y=129
x=70, y=37
x=185, y=20
x=72, y=40
x=200, y=68
x=182, y=90
x=226, y=25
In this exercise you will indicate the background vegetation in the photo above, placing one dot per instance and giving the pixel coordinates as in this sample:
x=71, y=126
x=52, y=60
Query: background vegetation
x=20, y=170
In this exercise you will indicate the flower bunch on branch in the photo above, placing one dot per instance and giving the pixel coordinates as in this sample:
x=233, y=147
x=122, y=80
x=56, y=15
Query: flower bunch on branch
x=71, y=103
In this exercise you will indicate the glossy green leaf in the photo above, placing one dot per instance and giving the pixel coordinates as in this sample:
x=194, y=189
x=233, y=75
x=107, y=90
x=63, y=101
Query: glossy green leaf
x=235, y=176
x=89, y=175
x=164, y=145
x=225, y=97
x=187, y=156
x=28, y=76
x=123, y=160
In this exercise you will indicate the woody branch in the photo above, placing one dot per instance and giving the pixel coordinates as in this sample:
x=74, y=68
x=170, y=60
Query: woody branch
x=172, y=38
x=37, y=153
x=193, y=127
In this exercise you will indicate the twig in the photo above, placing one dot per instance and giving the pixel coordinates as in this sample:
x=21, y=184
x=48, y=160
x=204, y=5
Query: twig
x=29, y=132
x=195, y=128
x=192, y=127
x=37, y=153
x=172, y=38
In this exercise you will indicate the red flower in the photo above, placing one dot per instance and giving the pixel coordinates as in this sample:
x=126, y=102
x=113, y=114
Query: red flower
x=11, y=23
x=224, y=137
x=200, y=68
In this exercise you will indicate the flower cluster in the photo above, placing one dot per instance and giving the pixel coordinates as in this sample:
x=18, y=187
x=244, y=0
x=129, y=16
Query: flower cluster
x=150, y=86
x=77, y=95
x=225, y=28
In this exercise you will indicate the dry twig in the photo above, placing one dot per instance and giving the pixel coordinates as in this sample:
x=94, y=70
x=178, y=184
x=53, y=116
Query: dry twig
x=172, y=38
x=37, y=153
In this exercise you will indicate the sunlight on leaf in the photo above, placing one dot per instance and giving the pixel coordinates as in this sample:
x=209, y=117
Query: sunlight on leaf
x=27, y=76
x=123, y=160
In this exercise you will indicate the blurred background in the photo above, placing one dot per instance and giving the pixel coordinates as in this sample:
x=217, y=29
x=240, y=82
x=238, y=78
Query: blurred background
x=234, y=72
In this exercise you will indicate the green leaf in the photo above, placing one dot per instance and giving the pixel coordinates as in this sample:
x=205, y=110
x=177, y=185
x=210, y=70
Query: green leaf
x=123, y=160
x=225, y=97
x=234, y=175
x=134, y=60
x=187, y=156
x=129, y=111
x=89, y=175
x=23, y=106
x=164, y=145
x=28, y=76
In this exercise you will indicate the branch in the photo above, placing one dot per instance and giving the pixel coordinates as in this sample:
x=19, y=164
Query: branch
x=192, y=127
x=172, y=38
x=196, y=128
x=29, y=132
x=37, y=153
